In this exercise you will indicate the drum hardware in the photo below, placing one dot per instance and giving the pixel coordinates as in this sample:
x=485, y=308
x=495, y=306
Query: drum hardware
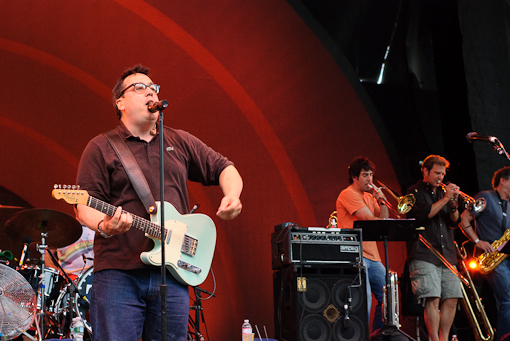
x=75, y=294
x=40, y=226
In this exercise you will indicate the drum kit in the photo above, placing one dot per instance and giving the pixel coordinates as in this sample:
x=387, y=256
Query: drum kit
x=56, y=297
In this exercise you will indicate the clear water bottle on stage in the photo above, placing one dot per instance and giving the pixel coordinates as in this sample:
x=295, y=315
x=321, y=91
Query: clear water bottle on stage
x=247, y=331
x=77, y=329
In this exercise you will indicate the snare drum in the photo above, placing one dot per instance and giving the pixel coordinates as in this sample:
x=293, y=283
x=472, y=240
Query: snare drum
x=82, y=307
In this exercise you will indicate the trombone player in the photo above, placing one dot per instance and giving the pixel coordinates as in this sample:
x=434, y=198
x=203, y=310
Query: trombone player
x=436, y=209
x=491, y=224
x=362, y=200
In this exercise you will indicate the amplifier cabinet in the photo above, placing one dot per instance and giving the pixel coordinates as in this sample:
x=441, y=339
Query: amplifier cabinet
x=321, y=303
x=317, y=245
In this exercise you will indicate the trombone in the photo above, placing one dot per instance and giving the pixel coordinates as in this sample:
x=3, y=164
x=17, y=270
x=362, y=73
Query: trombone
x=404, y=203
x=472, y=303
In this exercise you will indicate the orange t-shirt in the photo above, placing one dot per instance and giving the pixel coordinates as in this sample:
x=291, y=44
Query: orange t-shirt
x=349, y=202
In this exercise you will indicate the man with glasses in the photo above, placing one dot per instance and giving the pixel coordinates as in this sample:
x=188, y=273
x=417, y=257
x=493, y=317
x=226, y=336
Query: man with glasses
x=125, y=297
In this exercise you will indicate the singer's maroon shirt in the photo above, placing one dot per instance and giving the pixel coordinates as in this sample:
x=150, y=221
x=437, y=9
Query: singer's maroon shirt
x=101, y=174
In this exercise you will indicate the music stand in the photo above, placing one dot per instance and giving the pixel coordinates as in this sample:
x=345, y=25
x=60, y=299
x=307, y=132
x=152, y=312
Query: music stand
x=389, y=230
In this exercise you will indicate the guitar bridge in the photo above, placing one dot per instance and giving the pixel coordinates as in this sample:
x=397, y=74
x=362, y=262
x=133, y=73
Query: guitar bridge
x=188, y=267
x=189, y=246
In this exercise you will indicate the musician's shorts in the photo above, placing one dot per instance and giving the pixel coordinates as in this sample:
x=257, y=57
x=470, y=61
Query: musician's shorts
x=429, y=280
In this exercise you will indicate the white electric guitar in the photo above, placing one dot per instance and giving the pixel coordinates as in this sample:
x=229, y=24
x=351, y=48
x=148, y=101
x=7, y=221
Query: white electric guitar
x=189, y=239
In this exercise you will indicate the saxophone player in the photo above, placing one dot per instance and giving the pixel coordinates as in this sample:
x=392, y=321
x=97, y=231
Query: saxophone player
x=491, y=223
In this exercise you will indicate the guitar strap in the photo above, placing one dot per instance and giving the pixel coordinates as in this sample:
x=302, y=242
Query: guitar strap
x=133, y=170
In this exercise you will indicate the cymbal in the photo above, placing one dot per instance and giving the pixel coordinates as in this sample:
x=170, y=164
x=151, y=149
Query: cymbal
x=26, y=226
x=6, y=212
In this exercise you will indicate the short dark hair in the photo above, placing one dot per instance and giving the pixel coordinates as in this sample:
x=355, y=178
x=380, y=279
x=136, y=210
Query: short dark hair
x=117, y=89
x=500, y=173
x=432, y=160
x=357, y=165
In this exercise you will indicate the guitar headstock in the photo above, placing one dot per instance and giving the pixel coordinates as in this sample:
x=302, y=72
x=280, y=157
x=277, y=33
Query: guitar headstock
x=71, y=194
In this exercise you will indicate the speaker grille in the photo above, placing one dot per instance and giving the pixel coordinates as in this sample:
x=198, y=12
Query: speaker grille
x=341, y=293
x=318, y=313
x=315, y=328
x=317, y=296
x=356, y=330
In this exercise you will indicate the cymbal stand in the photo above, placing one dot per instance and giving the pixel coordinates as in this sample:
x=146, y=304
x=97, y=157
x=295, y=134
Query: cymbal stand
x=70, y=284
x=42, y=284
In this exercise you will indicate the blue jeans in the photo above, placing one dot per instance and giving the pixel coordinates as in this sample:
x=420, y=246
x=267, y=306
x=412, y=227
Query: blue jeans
x=376, y=273
x=126, y=305
x=499, y=280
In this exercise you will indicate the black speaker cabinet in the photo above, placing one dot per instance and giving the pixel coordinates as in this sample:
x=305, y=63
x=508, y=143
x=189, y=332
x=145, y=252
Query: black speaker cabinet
x=310, y=304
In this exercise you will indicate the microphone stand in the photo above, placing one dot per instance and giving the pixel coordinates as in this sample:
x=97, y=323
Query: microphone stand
x=498, y=147
x=199, y=312
x=164, y=286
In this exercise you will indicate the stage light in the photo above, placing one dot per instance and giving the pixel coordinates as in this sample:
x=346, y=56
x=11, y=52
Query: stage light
x=473, y=264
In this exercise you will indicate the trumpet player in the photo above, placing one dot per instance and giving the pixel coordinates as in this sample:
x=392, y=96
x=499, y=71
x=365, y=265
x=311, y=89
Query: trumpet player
x=433, y=283
x=362, y=200
x=491, y=224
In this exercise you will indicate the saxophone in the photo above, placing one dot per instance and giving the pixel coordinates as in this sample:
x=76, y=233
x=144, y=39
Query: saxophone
x=489, y=261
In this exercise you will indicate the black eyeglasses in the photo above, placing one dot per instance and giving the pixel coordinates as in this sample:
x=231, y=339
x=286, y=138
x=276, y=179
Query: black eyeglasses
x=140, y=88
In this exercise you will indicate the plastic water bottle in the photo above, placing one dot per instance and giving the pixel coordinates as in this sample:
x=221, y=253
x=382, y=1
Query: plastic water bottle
x=77, y=329
x=247, y=331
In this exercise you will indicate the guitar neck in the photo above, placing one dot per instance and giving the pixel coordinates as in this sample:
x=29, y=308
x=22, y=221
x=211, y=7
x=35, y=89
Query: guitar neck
x=141, y=224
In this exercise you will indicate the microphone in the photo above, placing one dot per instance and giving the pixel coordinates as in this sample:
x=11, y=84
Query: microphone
x=157, y=106
x=475, y=136
x=24, y=253
x=347, y=319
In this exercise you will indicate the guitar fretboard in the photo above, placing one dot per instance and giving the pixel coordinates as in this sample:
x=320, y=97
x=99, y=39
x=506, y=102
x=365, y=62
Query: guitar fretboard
x=154, y=230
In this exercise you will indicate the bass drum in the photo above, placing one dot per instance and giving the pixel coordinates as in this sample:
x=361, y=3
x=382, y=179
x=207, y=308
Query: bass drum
x=81, y=306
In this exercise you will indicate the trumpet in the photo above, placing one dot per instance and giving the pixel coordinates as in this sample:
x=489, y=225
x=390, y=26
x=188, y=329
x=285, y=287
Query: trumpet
x=470, y=203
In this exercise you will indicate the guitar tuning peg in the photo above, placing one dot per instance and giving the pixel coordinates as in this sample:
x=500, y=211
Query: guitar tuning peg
x=77, y=187
x=64, y=187
x=74, y=187
x=55, y=186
